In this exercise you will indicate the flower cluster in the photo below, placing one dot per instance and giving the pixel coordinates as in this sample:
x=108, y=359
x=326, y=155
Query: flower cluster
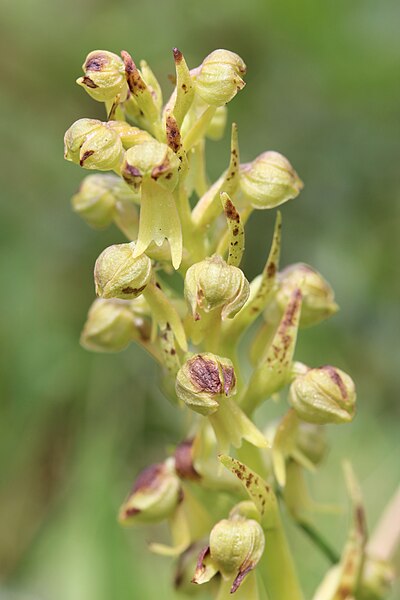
x=221, y=489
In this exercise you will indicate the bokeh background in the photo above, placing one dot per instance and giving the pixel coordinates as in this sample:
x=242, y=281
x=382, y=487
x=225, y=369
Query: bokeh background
x=322, y=88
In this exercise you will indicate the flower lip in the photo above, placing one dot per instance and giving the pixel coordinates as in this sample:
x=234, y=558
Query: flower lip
x=324, y=395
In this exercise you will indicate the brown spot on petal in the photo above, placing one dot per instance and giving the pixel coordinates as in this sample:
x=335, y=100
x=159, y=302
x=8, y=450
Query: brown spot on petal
x=148, y=478
x=89, y=82
x=184, y=461
x=131, y=290
x=205, y=375
x=271, y=270
x=292, y=309
x=337, y=380
x=229, y=379
x=239, y=578
x=130, y=512
x=96, y=62
x=231, y=212
x=177, y=55
x=360, y=521
x=161, y=169
x=85, y=156
x=173, y=133
x=200, y=566
x=131, y=175
x=133, y=77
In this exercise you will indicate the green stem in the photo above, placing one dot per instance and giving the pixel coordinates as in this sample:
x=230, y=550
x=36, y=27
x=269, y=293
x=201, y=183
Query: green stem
x=213, y=334
x=198, y=130
x=277, y=566
x=198, y=164
x=315, y=536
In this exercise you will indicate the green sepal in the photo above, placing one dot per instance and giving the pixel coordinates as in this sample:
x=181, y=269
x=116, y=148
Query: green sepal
x=184, y=87
x=262, y=288
x=142, y=93
x=164, y=313
x=260, y=492
x=231, y=426
x=274, y=369
x=236, y=231
x=209, y=206
x=168, y=350
x=153, y=83
x=279, y=560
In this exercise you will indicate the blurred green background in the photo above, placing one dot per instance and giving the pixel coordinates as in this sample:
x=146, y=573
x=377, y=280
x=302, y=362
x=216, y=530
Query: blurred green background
x=322, y=88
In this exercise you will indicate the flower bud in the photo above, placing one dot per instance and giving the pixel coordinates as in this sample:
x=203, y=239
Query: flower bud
x=151, y=160
x=323, y=395
x=154, y=496
x=110, y=326
x=104, y=76
x=219, y=77
x=205, y=383
x=236, y=546
x=203, y=380
x=269, y=181
x=96, y=198
x=93, y=145
x=318, y=296
x=212, y=283
x=118, y=274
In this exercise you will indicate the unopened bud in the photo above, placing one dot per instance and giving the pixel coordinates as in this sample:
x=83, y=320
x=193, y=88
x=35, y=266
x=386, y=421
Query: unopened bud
x=151, y=160
x=318, y=296
x=269, y=181
x=104, y=76
x=236, y=546
x=118, y=274
x=205, y=383
x=203, y=380
x=109, y=326
x=323, y=395
x=97, y=196
x=219, y=77
x=93, y=145
x=212, y=283
x=154, y=496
